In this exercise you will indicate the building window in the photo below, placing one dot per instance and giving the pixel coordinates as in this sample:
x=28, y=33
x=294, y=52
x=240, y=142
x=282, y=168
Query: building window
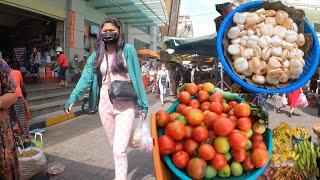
x=317, y=27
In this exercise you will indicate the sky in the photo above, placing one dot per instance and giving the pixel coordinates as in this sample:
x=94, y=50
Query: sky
x=202, y=14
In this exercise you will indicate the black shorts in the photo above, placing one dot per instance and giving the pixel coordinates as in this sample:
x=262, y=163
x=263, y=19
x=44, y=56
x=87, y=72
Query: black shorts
x=62, y=73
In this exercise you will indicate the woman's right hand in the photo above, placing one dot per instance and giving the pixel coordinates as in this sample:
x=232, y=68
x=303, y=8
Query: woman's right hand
x=67, y=111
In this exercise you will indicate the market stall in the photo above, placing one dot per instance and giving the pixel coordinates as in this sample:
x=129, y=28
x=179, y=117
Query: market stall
x=209, y=133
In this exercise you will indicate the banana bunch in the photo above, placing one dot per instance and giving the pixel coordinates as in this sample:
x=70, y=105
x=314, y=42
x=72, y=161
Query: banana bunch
x=306, y=164
x=300, y=132
x=282, y=144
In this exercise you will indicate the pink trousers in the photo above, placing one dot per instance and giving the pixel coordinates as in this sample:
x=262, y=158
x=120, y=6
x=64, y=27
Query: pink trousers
x=117, y=120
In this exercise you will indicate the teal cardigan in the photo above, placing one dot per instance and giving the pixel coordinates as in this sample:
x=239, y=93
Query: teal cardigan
x=89, y=78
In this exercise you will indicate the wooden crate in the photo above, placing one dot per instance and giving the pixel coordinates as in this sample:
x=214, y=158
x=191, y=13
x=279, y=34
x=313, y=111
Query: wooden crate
x=161, y=172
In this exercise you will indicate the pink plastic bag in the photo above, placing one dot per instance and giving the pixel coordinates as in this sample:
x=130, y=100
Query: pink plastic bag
x=303, y=101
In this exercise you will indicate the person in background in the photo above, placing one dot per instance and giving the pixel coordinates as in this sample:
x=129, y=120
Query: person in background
x=145, y=72
x=20, y=106
x=74, y=69
x=9, y=166
x=113, y=60
x=35, y=61
x=314, y=83
x=293, y=100
x=163, y=81
x=63, y=64
x=152, y=79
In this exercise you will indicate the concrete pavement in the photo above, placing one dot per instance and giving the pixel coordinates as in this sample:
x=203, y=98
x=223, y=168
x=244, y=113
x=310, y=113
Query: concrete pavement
x=82, y=147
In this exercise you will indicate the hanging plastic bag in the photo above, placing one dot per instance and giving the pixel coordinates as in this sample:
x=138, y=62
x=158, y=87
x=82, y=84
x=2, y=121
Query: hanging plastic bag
x=303, y=101
x=146, y=142
x=284, y=100
x=136, y=137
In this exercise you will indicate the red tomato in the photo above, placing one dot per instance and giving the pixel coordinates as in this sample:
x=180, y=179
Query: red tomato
x=186, y=110
x=233, y=104
x=238, y=154
x=219, y=161
x=206, y=152
x=257, y=137
x=217, y=97
x=205, y=106
x=200, y=134
x=244, y=123
x=259, y=144
x=196, y=168
x=224, y=115
x=190, y=146
x=234, y=120
x=180, y=159
x=180, y=108
x=210, y=118
x=260, y=157
x=203, y=95
x=237, y=139
x=242, y=110
x=225, y=107
x=194, y=103
x=184, y=97
x=194, y=117
x=223, y=126
x=166, y=145
x=248, y=163
x=189, y=130
x=216, y=107
x=176, y=130
x=178, y=146
x=162, y=118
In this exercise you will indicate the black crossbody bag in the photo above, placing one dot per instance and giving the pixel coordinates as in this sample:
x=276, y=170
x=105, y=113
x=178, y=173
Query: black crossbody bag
x=122, y=90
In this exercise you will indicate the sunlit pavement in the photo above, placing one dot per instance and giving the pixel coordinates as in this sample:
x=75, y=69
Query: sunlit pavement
x=82, y=147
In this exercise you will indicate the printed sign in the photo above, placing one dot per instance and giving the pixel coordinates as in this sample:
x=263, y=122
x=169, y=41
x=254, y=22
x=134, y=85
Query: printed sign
x=72, y=25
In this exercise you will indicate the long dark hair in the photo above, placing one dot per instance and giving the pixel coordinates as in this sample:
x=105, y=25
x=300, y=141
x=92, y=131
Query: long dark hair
x=100, y=46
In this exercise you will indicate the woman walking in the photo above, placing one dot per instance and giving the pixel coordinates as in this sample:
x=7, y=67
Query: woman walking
x=9, y=167
x=63, y=64
x=163, y=81
x=293, y=100
x=113, y=61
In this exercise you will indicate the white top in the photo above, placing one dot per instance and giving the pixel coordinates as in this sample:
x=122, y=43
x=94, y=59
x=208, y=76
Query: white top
x=163, y=73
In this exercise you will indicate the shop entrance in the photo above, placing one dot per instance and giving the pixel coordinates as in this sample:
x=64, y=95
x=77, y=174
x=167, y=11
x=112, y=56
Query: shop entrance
x=20, y=32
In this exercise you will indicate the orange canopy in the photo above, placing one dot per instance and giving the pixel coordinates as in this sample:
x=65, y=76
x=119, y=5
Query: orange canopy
x=148, y=53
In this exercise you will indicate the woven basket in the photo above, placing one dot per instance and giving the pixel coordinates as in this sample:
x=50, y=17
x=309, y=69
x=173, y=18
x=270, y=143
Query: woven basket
x=312, y=59
x=31, y=166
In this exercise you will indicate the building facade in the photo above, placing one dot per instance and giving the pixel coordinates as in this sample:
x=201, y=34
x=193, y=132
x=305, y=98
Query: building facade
x=185, y=27
x=74, y=25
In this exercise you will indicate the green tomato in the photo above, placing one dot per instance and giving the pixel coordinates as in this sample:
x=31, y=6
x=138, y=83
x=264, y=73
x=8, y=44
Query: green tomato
x=228, y=156
x=182, y=119
x=236, y=169
x=248, y=145
x=210, y=172
x=225, y=172
x=221, y=145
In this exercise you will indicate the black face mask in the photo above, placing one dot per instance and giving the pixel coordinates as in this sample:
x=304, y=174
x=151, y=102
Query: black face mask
x=109, y=36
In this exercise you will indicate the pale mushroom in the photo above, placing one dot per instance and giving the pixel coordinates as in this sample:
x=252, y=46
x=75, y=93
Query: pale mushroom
x=257, y=52
x=264, y=41
x=285, y=64
x=291, y=36
x=285, y=54
x=252, y=18
x=241, y=65
x=283, y=78
x=288, y=23
x=236, y=41
x=280, y=31
x=234, y=49
x=233, y=33
x=276, y=41
x=259, y=79
x=266, y=53
x=276, y=51
x=271, y=20
x=239, y=18
x=300, y=41
x=272, y=80
x=247, y=53
x=281, y=16
x=271, y=13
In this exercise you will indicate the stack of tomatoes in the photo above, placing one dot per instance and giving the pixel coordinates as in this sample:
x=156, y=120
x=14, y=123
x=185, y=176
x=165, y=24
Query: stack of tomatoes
x=208, y=136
